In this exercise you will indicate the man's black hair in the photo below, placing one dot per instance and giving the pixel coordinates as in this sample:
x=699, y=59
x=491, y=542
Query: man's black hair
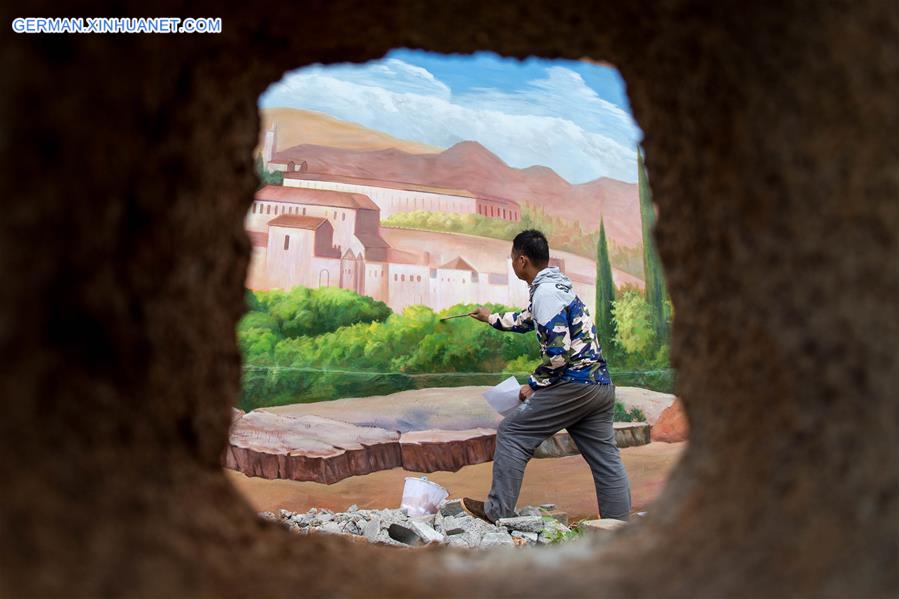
x=533, y=244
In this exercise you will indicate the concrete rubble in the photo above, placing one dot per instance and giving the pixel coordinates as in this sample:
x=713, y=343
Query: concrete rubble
x=451, y=525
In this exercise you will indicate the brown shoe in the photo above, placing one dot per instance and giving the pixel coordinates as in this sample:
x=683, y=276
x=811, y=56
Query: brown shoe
x=475, y=509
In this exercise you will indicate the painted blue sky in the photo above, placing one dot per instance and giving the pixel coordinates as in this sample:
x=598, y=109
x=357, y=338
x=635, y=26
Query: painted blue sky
x=570, y=116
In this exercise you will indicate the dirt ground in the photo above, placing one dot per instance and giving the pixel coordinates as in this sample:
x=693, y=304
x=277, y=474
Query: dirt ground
x=564, y=481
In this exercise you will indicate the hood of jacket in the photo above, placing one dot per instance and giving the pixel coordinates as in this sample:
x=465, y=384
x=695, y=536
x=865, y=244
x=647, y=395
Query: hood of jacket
x=553, y=276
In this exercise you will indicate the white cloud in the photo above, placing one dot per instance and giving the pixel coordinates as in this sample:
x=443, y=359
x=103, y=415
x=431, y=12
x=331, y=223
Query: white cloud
x=563, y=94
x=558, y=121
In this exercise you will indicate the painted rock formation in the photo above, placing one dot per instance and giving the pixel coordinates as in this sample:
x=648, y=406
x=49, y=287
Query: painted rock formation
x=444, y=408
x=426, y=430
x=433, y=450
x=651, y=403
x=672, y=425
x=627, y=434
x=308, y=448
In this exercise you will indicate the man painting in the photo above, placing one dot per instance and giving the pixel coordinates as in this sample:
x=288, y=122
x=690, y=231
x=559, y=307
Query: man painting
x=571, y=389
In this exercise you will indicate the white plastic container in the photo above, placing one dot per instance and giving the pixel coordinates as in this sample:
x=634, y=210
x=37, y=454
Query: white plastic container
x=421, y=496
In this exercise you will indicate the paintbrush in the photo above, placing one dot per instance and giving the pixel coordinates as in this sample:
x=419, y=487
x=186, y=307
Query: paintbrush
x=451, y=317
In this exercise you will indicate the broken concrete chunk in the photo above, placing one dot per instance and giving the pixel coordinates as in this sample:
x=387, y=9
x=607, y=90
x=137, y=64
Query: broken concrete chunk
x=384, y=538
x=602, y=526
x=554, y=532
x=414, y=533
x=555, y=525
x=496, y=539
x=350, y=527
x=530, y=537
x=558, y=516
x=522, y=523
x=428, y=519
x=452, y=507
x=403, y=533
x=372, y=529
x=332, y=528
x=426, y=533
x=530, y=510
x=452, y=526
x=458, y=541
x=475, y=529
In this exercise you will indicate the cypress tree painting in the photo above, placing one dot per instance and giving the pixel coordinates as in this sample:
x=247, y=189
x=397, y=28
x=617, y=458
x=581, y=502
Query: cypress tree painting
x=652, y=266
x=605, y=290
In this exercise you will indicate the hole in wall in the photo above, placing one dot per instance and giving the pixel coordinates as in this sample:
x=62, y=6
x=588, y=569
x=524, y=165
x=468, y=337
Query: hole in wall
x=389, y=195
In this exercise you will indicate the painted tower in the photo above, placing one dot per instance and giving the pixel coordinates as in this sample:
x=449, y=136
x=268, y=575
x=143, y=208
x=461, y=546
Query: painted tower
x=269, y=146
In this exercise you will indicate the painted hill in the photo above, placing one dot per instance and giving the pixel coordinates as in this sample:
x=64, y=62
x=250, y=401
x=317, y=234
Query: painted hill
x=469, y=165
x=305, y=126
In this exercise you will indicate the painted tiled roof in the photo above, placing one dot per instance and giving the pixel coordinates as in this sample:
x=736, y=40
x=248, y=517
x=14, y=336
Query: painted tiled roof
x=372, y=240
x=297, y=222
x=315, y=197
x=458, y=263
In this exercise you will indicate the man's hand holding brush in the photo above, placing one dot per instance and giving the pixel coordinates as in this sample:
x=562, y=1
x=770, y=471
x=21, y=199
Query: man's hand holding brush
x=482, y=314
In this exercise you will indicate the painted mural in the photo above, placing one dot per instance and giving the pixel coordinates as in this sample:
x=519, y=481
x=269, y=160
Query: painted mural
x=389, y=195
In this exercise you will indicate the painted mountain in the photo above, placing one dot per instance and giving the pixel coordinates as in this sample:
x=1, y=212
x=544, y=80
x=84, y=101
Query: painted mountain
x=309, y=127
x=467, y=165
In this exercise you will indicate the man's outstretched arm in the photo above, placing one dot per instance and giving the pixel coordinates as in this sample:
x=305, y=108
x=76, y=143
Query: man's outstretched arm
x=516, y=322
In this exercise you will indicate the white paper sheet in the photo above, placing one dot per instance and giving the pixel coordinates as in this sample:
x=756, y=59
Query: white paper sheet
x=504, y=397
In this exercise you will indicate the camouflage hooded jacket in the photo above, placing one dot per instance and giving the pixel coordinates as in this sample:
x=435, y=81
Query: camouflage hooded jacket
x=565, y=330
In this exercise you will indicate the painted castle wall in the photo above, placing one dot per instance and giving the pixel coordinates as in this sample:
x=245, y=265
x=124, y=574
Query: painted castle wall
x=393, y=201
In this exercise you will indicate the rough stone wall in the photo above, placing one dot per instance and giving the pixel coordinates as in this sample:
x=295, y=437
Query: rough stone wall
x=771, y=135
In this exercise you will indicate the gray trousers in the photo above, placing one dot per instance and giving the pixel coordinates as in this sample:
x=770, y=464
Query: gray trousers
x=586, y=412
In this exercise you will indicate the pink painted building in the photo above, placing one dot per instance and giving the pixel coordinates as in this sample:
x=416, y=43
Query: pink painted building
x=394, y=197
x=328, y=238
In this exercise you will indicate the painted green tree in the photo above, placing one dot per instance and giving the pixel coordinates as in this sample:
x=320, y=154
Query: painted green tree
x=265, y=177
x=605, y=290
x=656, y=294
